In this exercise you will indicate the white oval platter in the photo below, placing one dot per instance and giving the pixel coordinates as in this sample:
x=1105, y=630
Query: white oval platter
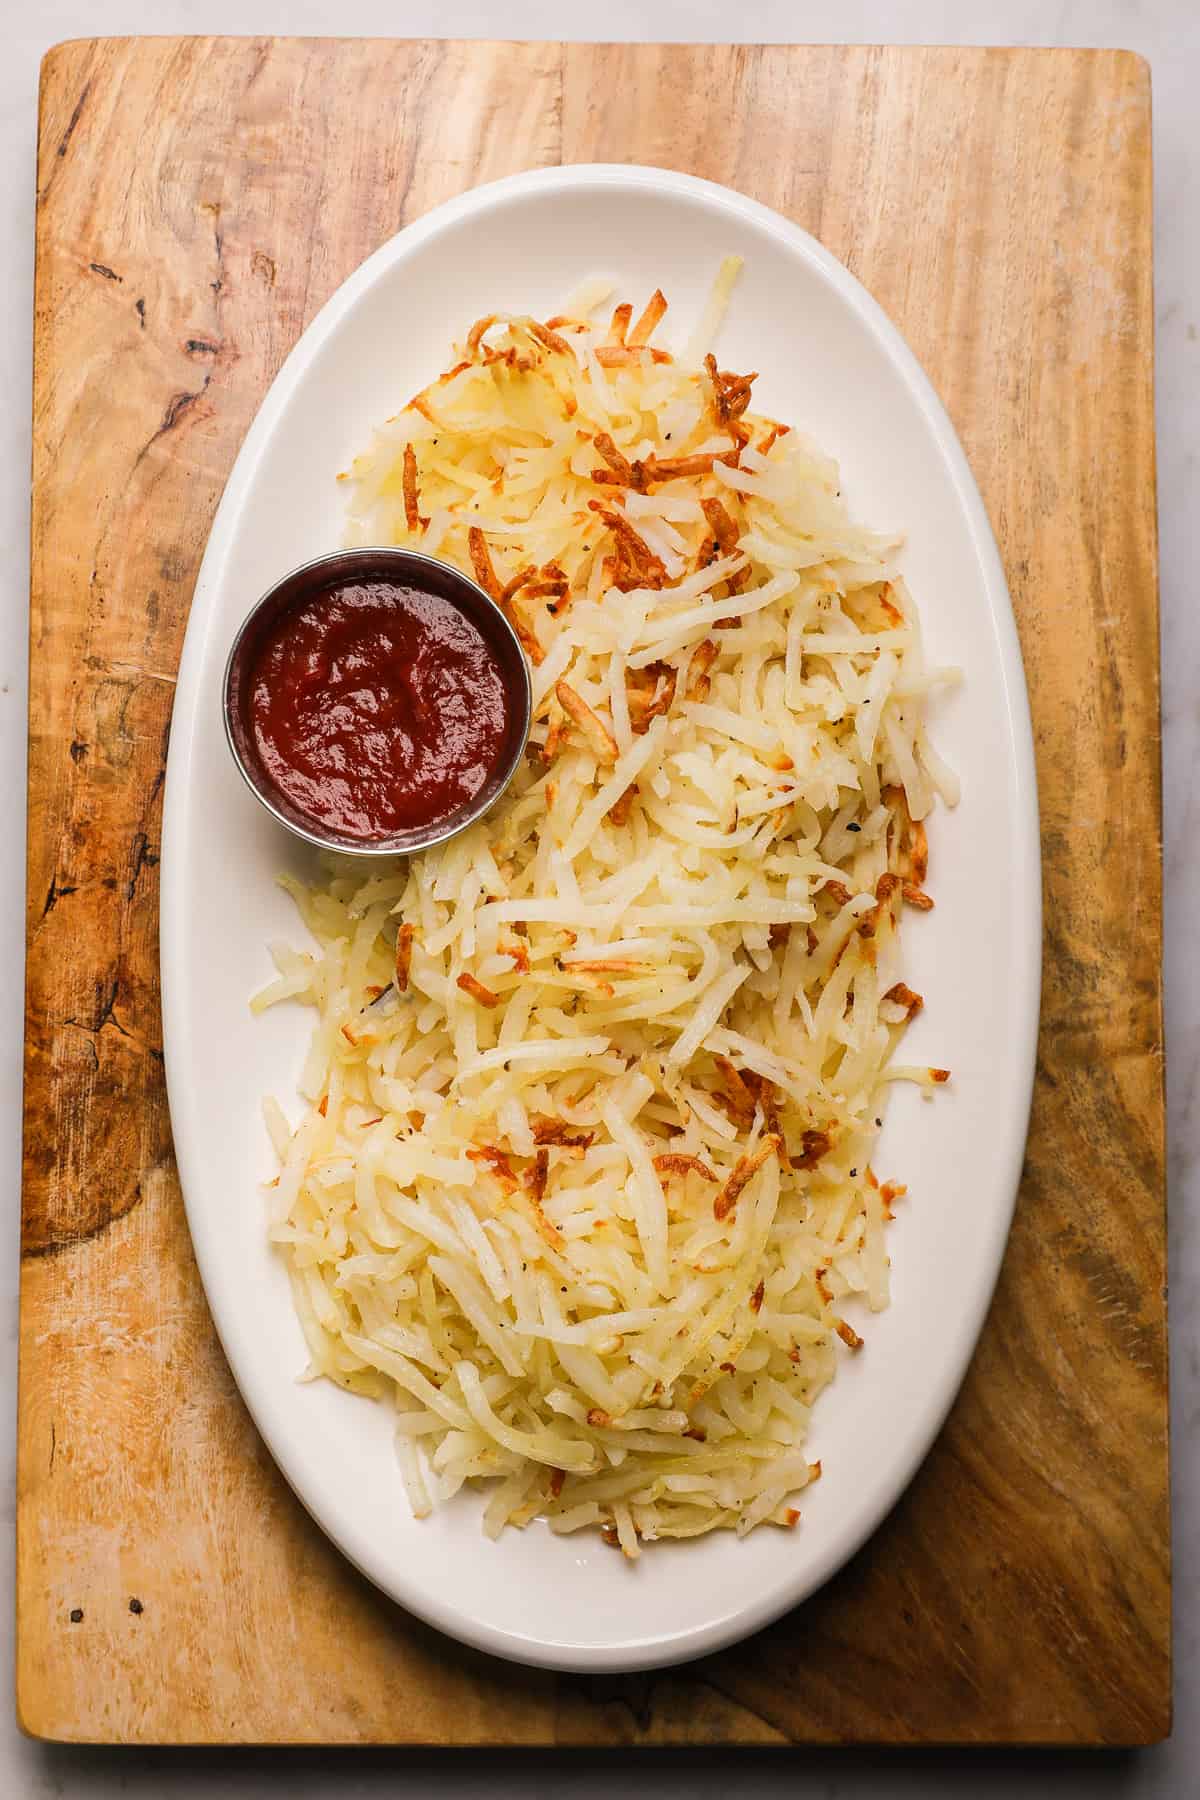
x=832, y=364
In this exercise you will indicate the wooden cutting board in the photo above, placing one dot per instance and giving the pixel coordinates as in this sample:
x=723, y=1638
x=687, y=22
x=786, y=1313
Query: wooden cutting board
x=198, y=200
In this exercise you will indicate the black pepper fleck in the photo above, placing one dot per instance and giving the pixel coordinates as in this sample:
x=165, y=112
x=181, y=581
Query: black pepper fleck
x=77, y=1615
x=853, y=827
x=135, y=1606
x=854, y=1171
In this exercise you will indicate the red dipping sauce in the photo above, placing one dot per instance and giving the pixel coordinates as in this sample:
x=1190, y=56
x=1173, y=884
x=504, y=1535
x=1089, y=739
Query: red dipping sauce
x=374, y=708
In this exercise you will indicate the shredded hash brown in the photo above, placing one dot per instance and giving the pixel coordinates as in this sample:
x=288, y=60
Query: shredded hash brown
x=584, y=1186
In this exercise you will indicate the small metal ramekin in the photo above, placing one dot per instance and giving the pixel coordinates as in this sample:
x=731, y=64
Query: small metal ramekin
x=405, y=568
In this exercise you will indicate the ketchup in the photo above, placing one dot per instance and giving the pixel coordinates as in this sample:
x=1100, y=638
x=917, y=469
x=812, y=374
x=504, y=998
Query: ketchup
x=376, y=708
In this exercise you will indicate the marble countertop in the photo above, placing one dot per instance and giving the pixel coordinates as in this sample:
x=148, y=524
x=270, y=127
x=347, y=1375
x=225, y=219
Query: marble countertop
x=1167, y=33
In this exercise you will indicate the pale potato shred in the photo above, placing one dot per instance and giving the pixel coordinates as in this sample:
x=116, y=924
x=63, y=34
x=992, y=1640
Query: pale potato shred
x=585, y=1189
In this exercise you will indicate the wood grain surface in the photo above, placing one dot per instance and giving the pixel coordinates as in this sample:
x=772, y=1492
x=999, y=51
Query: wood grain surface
x=198, y=200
